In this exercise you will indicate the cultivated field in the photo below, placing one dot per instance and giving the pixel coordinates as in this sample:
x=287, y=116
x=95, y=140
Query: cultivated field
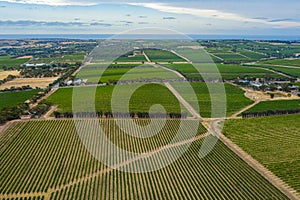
x=140, y=101
x=228, y=72
x=32, y=82
x=115, y=72
x=273, y=141
x=4, y=74
x=46, y=159
x=231, y=56
x=71, y=58
x=286, y=62
x=136, y=58
x=294, y=72
x=9, y=99
x=251, y=55
x=6, y=61
x=275, y=105
x=163, y=56
x=235, y=97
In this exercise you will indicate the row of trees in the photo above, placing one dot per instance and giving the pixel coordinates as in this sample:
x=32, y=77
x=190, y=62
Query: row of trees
x=270, y=113
x=8, y=78
x=100, y=114
x=13, y=88
x=12, y=113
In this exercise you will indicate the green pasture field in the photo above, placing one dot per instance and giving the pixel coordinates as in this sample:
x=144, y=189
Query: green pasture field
x=235, y=98
x=163, y=56
x=286, y=62
x=140, y=101
x=11, y=62
x=275, y=105
x=115, y=73
x=273, y=141
x=46, y=159
x=10, y=99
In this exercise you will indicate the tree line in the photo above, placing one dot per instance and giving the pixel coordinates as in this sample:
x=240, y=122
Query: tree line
x=101, y=114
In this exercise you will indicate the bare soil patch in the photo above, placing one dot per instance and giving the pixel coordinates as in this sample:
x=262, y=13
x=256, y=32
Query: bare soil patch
x=4, y=74
x=32, y=82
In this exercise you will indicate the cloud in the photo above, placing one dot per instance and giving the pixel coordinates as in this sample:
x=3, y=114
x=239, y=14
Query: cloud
x=45, y=23
x=126, y=22
x=169, y=18
x=210, y=13
x=55, y=2
x=260, y=18
x=100, y=24
x=280, y=20
x=142, y=16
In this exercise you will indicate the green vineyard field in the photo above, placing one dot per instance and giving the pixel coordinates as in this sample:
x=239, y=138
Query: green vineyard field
x=46, y=160
x=273, y=141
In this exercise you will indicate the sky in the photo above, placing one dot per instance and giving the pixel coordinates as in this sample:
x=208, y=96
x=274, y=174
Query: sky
x=232, y=17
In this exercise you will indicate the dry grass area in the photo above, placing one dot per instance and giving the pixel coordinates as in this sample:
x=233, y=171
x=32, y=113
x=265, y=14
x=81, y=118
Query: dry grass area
x=4, y=74
x=32, y=82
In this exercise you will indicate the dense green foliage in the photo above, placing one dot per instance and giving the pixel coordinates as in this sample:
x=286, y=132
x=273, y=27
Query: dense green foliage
x=273, y=141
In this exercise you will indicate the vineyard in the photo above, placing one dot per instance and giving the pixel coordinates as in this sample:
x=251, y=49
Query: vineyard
x=287, y=62
x=294, y=72
x=227, y=71
x=46, y=160
x=273, y=141
x=163, y=56
x=95, y=73
x=275, y=105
